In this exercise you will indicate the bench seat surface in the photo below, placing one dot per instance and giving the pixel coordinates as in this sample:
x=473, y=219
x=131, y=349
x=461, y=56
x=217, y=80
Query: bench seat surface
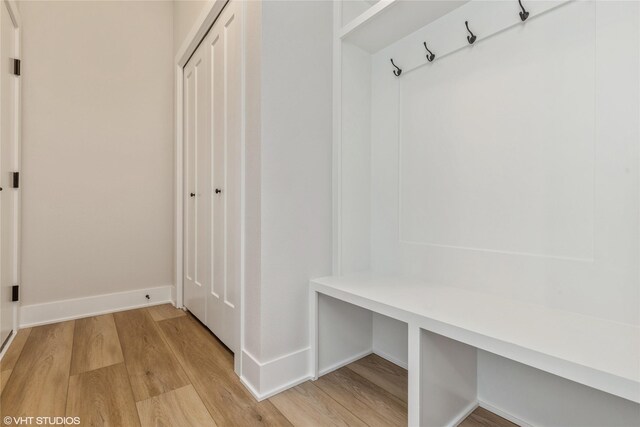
x=593, y=351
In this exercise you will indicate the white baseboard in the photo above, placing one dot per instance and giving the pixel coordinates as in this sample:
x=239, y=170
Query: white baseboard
x=58, y=311
x=345, y=362
x=262, y=396
x=463, y=414
x=265, y=379
x=391, y=358
x=503, y=414
x=250, y=373
x=245, y=382
x=174, y=296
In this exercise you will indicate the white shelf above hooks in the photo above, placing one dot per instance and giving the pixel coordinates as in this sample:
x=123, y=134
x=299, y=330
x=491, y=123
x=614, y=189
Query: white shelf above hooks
x=390, y=20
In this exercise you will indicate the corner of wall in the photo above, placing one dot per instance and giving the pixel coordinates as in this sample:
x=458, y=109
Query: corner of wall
x=267, y=379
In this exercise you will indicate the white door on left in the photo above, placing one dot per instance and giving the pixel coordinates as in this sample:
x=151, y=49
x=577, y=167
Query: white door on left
x=198, y=192
x=9, y=161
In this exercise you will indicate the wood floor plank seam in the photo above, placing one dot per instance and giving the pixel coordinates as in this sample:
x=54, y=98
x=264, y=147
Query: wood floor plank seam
x=128, y=378
x=151, y=365
x=383, y=373
x=40, y=379
x=162, y=334
x=367, y=397
x=165, y=311
x=73, y=341
x=102, y=397
x=184, y=367
x=210, y=366
x=177, y=407
x=96, y=344
x=339, y=403
x=306, y=404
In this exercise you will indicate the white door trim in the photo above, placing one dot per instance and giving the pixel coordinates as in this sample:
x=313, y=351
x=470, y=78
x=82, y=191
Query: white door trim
x=12, y=7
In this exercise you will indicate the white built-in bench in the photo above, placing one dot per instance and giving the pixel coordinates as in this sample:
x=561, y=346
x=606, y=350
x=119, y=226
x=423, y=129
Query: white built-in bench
x=446, y=325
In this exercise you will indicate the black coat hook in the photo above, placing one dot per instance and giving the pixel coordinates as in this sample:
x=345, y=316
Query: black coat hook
x=472, y=38
x=430, y=56
x=524, y=14
x=397, y=71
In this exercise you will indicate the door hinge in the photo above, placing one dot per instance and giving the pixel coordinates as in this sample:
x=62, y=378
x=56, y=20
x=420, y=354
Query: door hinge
x=16, y=67
x=16, y=180
x=15, y=293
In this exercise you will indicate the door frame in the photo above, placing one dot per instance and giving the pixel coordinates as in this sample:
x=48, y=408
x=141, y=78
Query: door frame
x=14, y=14
x=198, y=32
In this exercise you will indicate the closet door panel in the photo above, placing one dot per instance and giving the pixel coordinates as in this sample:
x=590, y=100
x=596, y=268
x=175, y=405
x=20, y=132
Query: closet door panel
x=233, y=50
x=198, y=215
x=189, y=181
x=203, y=176
x=215, y=312
x=226, y=101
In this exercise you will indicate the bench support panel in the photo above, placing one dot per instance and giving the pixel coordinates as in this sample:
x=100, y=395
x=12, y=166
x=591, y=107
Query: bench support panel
x=447, y=380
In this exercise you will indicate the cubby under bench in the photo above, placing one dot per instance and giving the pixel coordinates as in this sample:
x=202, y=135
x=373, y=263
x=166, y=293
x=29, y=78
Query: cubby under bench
x=446, y=328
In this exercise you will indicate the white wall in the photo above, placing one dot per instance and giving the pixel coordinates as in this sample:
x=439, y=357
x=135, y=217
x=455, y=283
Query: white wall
x=296, y=166
x=288, y=184
x=253, y=134
x=185, y=14
x=355, y=155
x=97, y=148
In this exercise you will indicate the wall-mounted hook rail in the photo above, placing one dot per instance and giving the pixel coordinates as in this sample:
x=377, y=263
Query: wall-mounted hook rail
x=524, y=14
x=471, y=38
x=430, y=55
x=488, y=31
x=397, y=71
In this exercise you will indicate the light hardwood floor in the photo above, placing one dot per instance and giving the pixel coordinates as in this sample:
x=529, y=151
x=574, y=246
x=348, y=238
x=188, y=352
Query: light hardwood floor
x=159, y=366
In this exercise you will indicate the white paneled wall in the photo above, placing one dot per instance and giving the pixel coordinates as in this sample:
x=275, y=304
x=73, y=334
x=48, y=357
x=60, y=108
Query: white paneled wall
x=509, y=167
x=497, y=143
x=478, y=165
x=356, y=153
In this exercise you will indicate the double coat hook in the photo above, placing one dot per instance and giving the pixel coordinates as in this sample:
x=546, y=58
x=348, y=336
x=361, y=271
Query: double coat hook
x=524, y=14
x=471, y=38
x=397, y=71
x=430, y=56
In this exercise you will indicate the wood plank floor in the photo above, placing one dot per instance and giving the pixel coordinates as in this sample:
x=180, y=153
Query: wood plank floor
x=159, y=366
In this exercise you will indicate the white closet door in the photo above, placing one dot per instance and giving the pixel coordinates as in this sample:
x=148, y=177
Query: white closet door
x=225, y=44
x=198, y=192
x=213, y=152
